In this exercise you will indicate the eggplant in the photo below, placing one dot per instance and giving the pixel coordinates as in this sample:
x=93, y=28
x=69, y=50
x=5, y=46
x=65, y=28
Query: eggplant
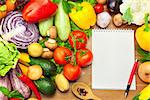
x=17, y=84
x=114, y=5
x=4, y=81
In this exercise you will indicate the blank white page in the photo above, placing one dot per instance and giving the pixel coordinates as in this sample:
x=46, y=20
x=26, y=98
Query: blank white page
x=113, y=59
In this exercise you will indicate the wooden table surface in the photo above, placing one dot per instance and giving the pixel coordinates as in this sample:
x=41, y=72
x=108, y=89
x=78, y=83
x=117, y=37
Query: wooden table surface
x=103, y=94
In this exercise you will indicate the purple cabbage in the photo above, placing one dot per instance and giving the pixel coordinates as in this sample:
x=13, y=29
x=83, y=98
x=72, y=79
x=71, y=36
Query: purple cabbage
x=15, y=29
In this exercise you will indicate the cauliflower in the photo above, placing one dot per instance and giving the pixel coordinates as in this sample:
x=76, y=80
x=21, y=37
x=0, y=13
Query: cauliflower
x=134, y=11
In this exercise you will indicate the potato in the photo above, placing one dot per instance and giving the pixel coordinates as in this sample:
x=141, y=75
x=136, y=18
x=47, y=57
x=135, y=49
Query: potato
x=144, y=71
x=47, y=54
x=35, y=50
x=35, y=72
x=62, y=83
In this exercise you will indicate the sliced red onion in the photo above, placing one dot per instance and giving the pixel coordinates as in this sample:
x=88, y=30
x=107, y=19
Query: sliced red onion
x=14, y=28
x=4, y=81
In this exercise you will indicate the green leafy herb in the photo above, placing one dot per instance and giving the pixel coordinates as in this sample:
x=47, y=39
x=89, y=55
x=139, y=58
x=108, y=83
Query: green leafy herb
x=66, y=6
x=42, y=42
x=12, y=94
x=62, y=43
x=59, y=67
x=92, y=2
x=56, y=1
x=88, y=32
x=15, y=94
x=136, y=97
x=4, y=90
x=127, y=16
x=145, y=55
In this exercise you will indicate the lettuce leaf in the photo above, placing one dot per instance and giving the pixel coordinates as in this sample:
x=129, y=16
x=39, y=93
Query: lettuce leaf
x=9, y=56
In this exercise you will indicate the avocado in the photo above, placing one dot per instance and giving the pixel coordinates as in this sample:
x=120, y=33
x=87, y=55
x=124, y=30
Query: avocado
x=49, y=68
x=46, y=86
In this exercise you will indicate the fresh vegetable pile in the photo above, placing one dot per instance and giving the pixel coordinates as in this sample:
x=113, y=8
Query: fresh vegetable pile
x=43, y=46
x=43, y=43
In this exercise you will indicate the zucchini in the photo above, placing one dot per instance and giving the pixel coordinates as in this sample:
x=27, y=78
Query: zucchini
x=45, y=86
x=44, y=25
x=62, y=23
x=48, y=67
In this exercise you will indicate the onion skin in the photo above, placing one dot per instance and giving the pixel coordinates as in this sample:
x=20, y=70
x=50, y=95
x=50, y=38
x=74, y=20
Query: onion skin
x=16, y=30
x=4, y=81
x=17, y=84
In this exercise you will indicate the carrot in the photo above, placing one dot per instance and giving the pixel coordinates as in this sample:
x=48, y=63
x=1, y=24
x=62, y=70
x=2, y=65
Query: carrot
x=10, y=5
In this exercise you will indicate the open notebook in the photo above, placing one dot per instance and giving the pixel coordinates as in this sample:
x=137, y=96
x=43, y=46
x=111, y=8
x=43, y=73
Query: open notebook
x=113, y=52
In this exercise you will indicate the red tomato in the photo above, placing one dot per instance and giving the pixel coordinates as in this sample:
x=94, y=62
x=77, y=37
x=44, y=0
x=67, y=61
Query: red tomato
x=99, y=8
x=72, y=72
x=62, y=55
x=84, y=57
x=81, y=39
x=37, y=10
x=14, y=99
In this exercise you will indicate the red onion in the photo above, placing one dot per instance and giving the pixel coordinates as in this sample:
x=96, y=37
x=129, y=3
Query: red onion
x=14, y=28
x=17, y=84
x=4, y=81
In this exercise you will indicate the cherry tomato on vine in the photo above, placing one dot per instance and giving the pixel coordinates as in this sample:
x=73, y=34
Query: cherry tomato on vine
x=62, y=55
x=80, y=38
x=72, y=72
x=84, y=57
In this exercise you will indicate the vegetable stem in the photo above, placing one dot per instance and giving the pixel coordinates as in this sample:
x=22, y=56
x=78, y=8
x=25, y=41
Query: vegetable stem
x=147, y=29
x=78, y=7
x=75, y=49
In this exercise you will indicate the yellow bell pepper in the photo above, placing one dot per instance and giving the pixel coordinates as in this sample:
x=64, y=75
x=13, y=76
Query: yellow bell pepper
x=23, y=68
x=83, y=17
x=143, y=36
x=24, y=57
x=144, y=94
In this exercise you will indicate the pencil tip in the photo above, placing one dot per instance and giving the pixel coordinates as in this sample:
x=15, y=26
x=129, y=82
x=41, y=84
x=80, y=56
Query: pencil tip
x=126, y=94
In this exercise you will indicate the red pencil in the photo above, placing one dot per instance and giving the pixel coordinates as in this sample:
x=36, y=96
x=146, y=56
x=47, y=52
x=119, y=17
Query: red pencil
x=131, y=78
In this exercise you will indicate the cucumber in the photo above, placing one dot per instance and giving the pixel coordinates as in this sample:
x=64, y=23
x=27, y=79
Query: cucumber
x=45, y=86
x=62, y=23
x=45, y=25
x=48, y=67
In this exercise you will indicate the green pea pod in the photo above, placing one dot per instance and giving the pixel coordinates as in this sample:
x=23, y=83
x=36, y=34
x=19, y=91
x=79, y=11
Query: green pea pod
x=45, y=25
x=62, y=23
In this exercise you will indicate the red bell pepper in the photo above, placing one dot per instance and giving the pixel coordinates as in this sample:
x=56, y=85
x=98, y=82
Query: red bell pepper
x=36, y=10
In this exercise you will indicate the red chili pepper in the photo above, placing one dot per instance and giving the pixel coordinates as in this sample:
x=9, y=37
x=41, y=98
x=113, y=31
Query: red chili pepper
x=14, y=99
x=31, y=85
x=36, y=10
